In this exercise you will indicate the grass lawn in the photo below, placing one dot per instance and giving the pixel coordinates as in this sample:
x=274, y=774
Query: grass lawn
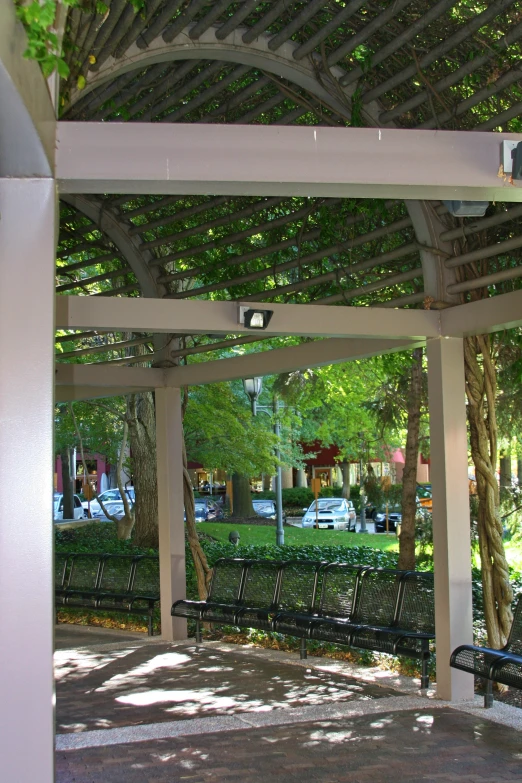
x=296, y=536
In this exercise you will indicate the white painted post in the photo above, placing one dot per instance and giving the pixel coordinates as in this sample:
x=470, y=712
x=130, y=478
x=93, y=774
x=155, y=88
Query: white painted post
x=169, y=433
x=451, y=521
x=27, y=260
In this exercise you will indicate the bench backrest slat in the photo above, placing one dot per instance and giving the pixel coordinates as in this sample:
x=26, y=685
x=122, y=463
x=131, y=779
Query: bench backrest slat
x=227, y=580
x=85, y=572
x=117, y=572
x=261, y=584
x=417, y=605
x=146, y=579
x=377, y=597
x=514, y=643
x=298, y=585
x=339, y=589
x=60, y=570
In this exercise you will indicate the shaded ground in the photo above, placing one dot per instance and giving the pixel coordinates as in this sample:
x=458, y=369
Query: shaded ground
x=158, y=682
x=435, y=746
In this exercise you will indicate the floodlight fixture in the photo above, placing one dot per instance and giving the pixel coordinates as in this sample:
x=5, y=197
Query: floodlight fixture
x=516, y=157
x=467, y=208
x=254, y=318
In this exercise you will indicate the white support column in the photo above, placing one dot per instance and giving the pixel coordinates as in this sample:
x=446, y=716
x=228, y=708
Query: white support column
x=451, y=531
x=27, y=259
x=169, y=434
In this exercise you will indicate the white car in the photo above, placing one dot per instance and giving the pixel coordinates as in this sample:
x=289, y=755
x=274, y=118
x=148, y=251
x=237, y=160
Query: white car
x=331, y=514
x=108, y=497
x=79, y=511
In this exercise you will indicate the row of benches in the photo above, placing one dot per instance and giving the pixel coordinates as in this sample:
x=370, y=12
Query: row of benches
x=116, y=583
x=370, y=608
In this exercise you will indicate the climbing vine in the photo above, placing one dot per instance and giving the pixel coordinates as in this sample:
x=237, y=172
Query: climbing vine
x=39, y=19
x=43, y=45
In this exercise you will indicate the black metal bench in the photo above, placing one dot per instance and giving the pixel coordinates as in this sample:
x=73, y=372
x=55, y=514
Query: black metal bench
x=373, y=609
x=370, y=608
x=116, y=583
x=503, y=666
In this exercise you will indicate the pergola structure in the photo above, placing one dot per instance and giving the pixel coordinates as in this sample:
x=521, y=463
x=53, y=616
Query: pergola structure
x=209, y=155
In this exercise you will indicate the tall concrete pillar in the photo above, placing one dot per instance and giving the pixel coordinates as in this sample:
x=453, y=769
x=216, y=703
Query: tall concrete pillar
x=27, y=260
x=301, y=479
x=451, y=522
x=169, y=435
x=288, y=478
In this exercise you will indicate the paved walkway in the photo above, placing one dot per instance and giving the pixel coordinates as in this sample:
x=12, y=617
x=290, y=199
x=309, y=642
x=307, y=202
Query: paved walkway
x=141, y=710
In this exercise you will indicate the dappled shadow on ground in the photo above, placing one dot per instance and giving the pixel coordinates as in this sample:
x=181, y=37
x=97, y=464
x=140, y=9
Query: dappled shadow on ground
x=161, y=682
x=437, y=746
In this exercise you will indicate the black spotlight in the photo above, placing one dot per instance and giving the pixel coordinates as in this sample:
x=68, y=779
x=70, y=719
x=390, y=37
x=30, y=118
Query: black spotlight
x=516, y=156
x=257, y=319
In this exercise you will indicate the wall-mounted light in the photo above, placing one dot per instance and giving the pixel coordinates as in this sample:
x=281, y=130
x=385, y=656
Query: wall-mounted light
x=254, y=318
x=467, y=208
x=511, y=159
x=516, y=158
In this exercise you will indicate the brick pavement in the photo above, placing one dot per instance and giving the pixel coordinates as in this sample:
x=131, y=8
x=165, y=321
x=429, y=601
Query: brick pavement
x=162, y=682
x=433, y=746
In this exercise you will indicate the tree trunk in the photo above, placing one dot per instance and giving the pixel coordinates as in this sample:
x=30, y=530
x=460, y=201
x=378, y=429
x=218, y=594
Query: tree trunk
x=241, y=497
x=68, y=499
x=267, y=482
x=409, y=476
x=142, y=436
x=480, y=390
x=203, y=571
x=345, y=470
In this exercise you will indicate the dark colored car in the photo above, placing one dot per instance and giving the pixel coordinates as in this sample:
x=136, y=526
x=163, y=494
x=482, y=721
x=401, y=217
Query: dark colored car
x=267, y=509
x=394, y=519
x=207, y=510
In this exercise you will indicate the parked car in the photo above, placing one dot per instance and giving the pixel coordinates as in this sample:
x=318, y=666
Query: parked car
x=267, y=509
x=78, y=510
x=113, y=507
x=110, y=495
x=207, y=509
x=332, y=514
x=394, y=519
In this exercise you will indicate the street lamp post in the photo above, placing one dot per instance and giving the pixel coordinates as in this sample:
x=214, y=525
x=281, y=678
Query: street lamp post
x=252, y=387
x=361, y=486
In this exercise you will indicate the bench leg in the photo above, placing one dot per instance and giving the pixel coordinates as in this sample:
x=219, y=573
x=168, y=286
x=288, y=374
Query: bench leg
x=303, y=651
x=198, y=632
x=425, y=677
x=151, y=629
x=488, y=695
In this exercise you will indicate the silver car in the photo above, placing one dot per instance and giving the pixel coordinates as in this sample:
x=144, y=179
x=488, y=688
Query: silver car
x=330, y=514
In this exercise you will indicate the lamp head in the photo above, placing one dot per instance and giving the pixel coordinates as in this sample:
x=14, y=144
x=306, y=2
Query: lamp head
x=254, y=318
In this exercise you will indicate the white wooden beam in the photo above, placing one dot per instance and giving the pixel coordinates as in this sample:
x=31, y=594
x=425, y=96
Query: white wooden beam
x=449, y=477
x=205, y=317
x=92, y=376
x=77, y=393
x=484, y=316
x=295, y=357
x=27, y=264
x=27, y=118
x=274, y=160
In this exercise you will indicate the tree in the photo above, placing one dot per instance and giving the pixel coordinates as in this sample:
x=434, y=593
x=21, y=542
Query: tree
x=411, y=457
x=141, y=419
x=125, y=523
